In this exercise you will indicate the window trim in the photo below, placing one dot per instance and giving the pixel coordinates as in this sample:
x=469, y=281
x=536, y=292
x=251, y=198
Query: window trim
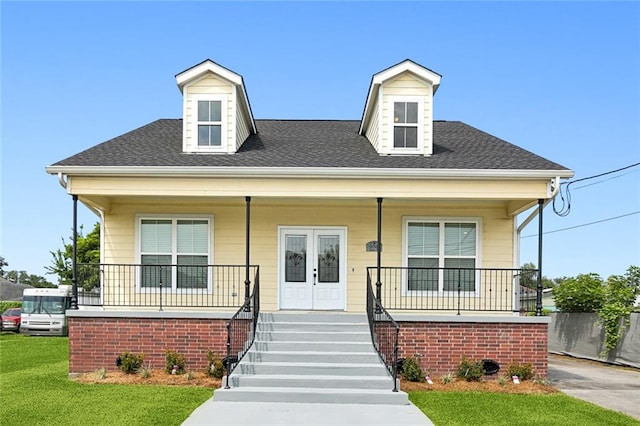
x=224, y=139
x=419, y=149
x=441, y=220
x=174, y=253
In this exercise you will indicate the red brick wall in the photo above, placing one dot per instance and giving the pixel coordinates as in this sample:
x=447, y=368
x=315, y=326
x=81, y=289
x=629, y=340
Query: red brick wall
x=441, y=345
x=96, y=342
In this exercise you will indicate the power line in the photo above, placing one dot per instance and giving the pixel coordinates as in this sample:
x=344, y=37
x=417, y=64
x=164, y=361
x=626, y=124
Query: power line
x=584, y=224
x=565, y=208
x=605, y=180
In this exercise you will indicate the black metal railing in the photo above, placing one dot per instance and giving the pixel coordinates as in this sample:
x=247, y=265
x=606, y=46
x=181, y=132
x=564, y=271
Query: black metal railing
x=384, y=332
x=241, y=329
x=455, y=289
x=160, y=286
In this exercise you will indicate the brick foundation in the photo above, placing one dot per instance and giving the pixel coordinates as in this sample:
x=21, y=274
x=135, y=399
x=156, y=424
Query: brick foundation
x=441, y=345
x=96, y=342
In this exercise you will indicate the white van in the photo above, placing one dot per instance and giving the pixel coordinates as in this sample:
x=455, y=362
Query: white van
x=44, y=311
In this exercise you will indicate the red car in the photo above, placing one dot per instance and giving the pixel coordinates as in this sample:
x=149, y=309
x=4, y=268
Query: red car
x=11, y=320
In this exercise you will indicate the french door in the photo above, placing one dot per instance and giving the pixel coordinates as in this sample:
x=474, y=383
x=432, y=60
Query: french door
x=312, y=268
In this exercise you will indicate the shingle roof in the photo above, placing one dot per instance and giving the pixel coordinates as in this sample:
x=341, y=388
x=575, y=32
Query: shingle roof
x=310, y=143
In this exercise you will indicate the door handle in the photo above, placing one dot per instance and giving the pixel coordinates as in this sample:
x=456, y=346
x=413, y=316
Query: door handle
x=314, y=276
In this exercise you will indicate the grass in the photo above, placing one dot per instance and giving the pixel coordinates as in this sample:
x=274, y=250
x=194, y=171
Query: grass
x=496, y=409
x=35, y=390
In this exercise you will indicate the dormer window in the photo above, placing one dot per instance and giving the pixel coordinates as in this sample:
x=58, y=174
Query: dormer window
x=407, y=120
x=209, y=123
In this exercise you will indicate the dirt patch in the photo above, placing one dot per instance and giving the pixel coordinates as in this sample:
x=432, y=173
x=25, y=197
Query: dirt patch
x=159, y=377
x=487, y=385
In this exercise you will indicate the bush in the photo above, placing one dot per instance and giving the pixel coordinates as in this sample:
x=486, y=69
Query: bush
x=215, y=367
x=130, y=362
x=584, y=293
x=6, y=305
x=470, y=370
x=412, y=371
x=523, y=371
x=174, y=360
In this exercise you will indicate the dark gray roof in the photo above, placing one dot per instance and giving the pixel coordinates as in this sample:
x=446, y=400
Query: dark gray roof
x=310, y=143
x=10, y=291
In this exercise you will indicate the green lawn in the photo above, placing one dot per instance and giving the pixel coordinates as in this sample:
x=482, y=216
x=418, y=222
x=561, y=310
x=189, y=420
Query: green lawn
x=492, y=409
x=35, y=390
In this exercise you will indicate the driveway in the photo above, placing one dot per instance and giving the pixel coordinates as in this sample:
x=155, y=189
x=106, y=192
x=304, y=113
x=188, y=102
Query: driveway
x=612, y=387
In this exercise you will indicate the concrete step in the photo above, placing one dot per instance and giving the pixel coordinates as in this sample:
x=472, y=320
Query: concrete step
x=314, y=346
x=301, y=395
x=313, y=356
x=312, y=336
x=311, y=381
x=311, y=368
x=333, y=327
x=313, y=317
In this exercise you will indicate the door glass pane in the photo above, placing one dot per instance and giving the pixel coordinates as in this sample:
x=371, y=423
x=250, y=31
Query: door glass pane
x=464, y=277
x=328, y=258
x=295, y=269
x=422, y=279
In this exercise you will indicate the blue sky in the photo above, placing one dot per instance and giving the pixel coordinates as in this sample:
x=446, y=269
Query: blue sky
x=559, y=79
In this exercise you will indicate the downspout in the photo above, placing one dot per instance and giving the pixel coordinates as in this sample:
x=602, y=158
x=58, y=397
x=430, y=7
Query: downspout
x=516, y=237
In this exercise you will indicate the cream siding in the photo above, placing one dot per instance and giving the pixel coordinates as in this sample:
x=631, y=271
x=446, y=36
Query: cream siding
x=373, y=131
x=359, y=219
x=209, y=85
x=406, y=85
x=242, y=124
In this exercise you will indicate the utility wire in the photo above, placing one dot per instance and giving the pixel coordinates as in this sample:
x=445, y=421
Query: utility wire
x=605, y=180
x=584, y=224
x=565, y=197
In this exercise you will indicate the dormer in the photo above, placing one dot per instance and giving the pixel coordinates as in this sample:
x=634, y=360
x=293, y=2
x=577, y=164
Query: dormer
x=216, y=115
x=398, y=114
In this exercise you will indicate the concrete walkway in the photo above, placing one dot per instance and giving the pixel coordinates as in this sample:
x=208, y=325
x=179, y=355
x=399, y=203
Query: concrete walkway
x=615, y=388
x=280, y=413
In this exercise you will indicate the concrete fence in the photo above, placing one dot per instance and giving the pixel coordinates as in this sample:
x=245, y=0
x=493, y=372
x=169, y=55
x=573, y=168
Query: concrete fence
x=582, y=335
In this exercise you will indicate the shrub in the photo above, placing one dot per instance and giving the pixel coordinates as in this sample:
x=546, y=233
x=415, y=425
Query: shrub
x=174, y=362
x=145, y=372
x=447, y=378
x=215, y=367
x=523, y=371
x=583, y=293
x=130, y=362
x=470, y=370
x=412, y=371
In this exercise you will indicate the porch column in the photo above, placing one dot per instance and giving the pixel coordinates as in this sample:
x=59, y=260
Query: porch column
x=74, y=260
x=379, y=252
x=247, y=281
x=539, y=283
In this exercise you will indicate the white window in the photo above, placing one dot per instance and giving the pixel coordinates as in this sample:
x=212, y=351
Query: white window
x=441, y=254
x=407, y=131
x=208, y=122
x=174, y=252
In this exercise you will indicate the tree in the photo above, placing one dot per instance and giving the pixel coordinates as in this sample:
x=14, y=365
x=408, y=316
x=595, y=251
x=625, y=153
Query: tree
x=88, y=252
x=529, y=277
x=584, y=293
x=28, y=279
x=3, y=263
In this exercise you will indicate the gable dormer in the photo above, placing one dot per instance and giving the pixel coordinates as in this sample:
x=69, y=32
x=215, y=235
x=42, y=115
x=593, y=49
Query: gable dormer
x=398, y=114
x=216, y=115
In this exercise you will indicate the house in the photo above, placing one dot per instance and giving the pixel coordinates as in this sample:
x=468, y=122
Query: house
x=218, y=210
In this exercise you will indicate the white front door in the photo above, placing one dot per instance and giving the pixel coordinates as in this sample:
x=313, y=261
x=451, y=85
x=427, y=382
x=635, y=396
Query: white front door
x=312, y=268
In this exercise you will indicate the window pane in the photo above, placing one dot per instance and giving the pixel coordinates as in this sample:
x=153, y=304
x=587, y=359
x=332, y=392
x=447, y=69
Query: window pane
x=215, y=111
x=422, y=279
x=152, y=276
x=296, y=259
x=398, y=137
x=192, y=271
x=399, y=115
x=460, y=239
x=328, y=259
x=423, y=239
x=466, y=278
x=412, y=112
x=193, y=236
x=203, y=111
x=155, y=236
x=203, y=135
x=411, y=137
x=216, y=135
